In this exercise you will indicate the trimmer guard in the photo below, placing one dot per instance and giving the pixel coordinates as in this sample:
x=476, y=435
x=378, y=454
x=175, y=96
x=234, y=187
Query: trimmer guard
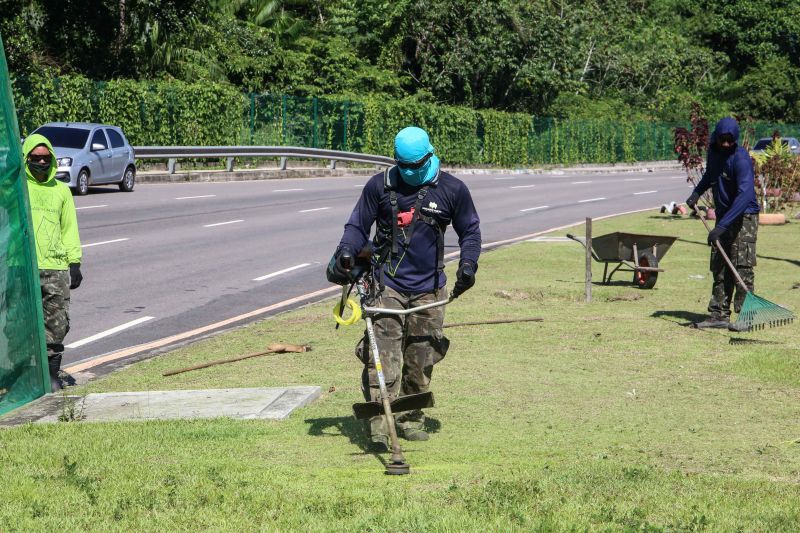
x=411, y=402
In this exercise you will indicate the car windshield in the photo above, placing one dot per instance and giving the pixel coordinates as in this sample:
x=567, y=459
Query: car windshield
x=763, y=143
x=64, y=137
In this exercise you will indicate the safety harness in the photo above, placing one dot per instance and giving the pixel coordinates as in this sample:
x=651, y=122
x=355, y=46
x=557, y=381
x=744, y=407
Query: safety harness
x=386, y=252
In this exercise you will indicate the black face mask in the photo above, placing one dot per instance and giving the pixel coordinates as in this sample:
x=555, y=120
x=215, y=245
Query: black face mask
x=40, y=171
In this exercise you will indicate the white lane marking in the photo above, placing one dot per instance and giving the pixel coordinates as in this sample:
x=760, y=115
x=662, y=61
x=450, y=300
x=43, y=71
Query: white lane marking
x=591, y=200
x=534, y=208
x=644, y=192
x=523, y=186
x=633, y=179
x=580, y=182
x=192, y=197
x=103, y=242
x=287, y=190
x=509, y=178
x=284, y=271
x=312, y=210
x=108, y=332
x=91, y=206
x=678, y=178
x=359, y=186
x=222, y=223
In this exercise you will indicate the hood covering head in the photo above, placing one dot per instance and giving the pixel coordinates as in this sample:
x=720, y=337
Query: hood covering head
x=32, y=142
x=415, y=156
x=727, y=125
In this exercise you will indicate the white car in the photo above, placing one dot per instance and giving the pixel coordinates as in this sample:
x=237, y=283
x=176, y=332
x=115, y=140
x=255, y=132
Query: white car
x=91, y=154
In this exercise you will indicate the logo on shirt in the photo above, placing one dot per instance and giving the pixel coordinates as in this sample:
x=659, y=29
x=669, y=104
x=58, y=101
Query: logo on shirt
x=433, y=207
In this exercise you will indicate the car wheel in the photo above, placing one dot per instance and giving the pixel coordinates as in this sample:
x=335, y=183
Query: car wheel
x=82, y=185
x=128, y=180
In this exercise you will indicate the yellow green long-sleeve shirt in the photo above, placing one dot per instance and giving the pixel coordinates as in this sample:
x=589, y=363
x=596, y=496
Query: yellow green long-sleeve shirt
x=54, y=220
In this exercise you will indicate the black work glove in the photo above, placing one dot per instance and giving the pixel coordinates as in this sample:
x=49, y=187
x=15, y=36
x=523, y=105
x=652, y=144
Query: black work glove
x=75, y=276
x=692, y=201
x=715, y=235
x=465, y=278
x=340, y=265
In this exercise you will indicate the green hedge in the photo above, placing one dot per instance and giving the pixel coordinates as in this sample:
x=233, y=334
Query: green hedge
x=178, y=113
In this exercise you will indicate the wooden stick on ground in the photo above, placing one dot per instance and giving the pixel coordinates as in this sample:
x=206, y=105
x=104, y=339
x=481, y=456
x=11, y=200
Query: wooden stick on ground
x=501, y=321
x=271, y=349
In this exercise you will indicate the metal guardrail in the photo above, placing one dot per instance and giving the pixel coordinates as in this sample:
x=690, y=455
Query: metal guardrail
x=173, y=153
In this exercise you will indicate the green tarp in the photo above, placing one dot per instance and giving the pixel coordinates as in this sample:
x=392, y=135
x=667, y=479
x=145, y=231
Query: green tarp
x=23, y=372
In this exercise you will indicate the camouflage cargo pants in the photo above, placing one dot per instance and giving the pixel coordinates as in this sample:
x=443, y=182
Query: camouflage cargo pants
x=55, y=307
x=739, y=242
x=409, y=346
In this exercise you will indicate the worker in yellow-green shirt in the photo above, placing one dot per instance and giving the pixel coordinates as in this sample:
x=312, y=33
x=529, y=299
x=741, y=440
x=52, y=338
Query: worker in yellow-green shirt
x=58, y=248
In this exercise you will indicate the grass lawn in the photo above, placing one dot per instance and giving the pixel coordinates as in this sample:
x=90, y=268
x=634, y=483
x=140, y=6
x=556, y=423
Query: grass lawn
x=606, y=416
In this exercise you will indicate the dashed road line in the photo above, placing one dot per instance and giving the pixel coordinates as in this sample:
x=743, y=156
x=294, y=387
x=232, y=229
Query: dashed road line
x=287, y=190
x=284, y=271
x=523, y=186
x=222, y=223
x=109, y=332
x=643, y=192
x=507, y=178
x=103, y=242
x=591, y=200
x=312, y=210
x=192, y=197
x=633, y=179
x=534, y=208
x=580, y=182
x=91, y=206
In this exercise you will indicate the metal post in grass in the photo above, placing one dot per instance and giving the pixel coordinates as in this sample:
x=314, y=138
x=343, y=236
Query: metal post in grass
x=588, y=259
x=252, y=118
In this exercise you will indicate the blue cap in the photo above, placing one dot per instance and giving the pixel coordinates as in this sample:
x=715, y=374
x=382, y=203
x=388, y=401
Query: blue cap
x=411, y=145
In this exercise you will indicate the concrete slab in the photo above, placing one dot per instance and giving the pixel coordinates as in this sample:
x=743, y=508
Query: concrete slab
x=272, y=403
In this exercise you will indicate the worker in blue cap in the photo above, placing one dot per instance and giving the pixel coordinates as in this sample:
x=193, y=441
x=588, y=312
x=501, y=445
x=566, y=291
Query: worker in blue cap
x=411, y=204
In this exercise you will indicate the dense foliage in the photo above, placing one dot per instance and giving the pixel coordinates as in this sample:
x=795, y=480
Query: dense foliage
x=593, y=59
x=179, y=113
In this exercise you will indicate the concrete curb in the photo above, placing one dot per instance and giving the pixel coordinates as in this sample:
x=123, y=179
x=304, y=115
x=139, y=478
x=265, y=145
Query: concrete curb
x=199, y=176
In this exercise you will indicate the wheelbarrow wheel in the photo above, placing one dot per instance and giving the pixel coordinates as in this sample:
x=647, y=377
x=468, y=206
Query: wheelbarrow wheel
x=646, y=279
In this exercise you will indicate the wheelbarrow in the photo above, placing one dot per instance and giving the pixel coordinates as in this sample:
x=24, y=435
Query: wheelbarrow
x=630, y=252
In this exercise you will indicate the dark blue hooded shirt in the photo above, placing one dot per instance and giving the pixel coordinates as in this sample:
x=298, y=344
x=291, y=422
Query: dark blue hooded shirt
x=414, y=270
x=729, y=174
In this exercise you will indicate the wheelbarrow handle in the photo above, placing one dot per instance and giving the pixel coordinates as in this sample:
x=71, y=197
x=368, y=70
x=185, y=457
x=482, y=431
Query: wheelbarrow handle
x=583, y=243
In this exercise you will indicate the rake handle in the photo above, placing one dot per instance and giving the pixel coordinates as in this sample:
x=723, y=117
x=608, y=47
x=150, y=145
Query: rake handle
x=724, y=255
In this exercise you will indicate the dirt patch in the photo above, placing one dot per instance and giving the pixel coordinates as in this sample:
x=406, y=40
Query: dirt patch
x=628, y=297
x=512, y=295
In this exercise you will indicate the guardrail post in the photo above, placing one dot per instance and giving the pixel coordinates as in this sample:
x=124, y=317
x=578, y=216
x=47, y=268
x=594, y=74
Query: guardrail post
x=588, y=284
x=171, y=164
x=332, y=164
x=283, y=163
x=229, y=164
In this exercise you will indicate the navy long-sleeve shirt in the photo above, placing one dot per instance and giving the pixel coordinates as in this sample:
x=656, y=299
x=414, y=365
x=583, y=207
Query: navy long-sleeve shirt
x=730, y=177
x=447, y=201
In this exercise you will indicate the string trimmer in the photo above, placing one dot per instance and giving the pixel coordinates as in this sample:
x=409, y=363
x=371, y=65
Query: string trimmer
x=397, y=465
x=757, y=313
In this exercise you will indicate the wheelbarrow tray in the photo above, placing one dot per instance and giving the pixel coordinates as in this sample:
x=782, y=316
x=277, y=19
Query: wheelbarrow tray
x=618, y=246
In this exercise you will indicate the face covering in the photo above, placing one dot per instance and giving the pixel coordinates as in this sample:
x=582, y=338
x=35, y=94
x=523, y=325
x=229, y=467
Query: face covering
x=40, y=171
x=416, y=176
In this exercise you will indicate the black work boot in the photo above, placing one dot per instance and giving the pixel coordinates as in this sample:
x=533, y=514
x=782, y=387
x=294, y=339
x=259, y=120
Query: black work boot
x=714, y=321
x=54, y=364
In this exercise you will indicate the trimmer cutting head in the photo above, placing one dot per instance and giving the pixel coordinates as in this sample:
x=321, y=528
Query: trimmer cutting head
x=398, y=468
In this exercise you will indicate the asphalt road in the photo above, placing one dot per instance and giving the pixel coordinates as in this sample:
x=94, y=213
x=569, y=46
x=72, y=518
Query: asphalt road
x=169, y=258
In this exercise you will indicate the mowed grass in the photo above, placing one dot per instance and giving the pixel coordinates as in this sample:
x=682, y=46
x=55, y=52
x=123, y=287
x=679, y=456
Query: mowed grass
x=609, y=416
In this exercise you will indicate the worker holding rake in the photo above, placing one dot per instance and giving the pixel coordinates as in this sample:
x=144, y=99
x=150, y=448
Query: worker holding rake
x=729, y=175
x=411, y=204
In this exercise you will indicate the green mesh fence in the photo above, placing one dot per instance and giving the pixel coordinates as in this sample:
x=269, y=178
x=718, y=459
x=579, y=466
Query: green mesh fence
x=23, y=366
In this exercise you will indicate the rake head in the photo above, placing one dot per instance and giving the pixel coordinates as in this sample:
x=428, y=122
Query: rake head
x=758, y=313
